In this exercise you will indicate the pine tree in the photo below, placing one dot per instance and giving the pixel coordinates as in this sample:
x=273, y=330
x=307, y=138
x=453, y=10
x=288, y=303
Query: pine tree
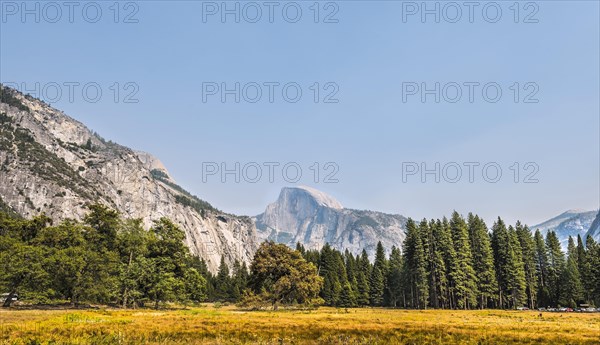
x=510, y=269
x=541, y=263
x=584, y=269
x=364, y=269
x=333, y=273
x=528, y=257
x=556, y=264
x=380, y=260
x=415, y=266
x=483, y=261
x=350, y=265
x=464, y=280
x=593, y=257
x=570, y=285
x=239, y=280
x=347, y=298
x=363, y=289
x=222, y=282
x=517, y=283
x=447, y=249
x=425, y=236
x=394, y=279
x=376, y=286
x=438, y=275
x=378, y=283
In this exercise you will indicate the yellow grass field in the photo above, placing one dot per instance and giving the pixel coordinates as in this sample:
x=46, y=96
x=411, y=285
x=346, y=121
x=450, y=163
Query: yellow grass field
x=228, y=325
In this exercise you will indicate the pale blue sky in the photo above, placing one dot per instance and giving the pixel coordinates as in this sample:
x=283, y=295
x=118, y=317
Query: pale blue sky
x=369, y=53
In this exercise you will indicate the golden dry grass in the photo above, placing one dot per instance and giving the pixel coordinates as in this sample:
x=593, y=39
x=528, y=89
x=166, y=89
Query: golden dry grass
x=228, y=325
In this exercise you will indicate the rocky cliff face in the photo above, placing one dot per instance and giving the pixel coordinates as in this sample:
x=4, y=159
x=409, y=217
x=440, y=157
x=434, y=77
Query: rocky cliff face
x=51, y=163
x=594, y=230
x=569, y=223
x=308, y=216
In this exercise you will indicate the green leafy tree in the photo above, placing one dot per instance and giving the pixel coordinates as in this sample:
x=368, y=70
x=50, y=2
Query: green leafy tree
x=132, y=246
x=79, y=271
x=21, y=269
x=281, y=275
x=105, y=222
x=166, y=266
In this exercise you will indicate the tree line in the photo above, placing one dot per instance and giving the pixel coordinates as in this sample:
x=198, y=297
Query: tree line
x=460, y=264
x=451, y=264
x=103, y=259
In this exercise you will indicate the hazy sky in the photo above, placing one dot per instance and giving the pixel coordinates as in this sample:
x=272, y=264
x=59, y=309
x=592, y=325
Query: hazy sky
x=375, y=61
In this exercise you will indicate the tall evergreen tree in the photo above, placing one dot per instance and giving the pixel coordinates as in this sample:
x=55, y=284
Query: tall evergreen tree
x=517, y=283
x=593, y=257
x=570, y=284
x=415, y=265
x=223, y=282
x=528, y=257
x=464, y=280
x=509, y=265
x=583, y=265
x=556, y=264
x=394, y=278
x=351, y=273
x=438, y=275
x=483, y=261
x=541, y=263
x=331, y=268
x=447, y=249
x=378, y=284
x=364, y=269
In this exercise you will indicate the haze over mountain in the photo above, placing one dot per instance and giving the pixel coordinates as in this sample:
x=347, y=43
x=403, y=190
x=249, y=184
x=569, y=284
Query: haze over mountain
x=52, y=163
x=313, y=218
x=569, y=223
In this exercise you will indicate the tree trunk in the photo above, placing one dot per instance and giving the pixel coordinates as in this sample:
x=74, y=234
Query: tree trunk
x=126, y=291
x=8, y=301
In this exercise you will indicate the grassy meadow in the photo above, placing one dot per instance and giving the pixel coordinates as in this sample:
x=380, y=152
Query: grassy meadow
x=228, y=325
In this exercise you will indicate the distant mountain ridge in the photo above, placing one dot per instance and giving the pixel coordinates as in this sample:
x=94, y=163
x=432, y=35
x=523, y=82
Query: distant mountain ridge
x=313, y=218
x=569, y=223
x=52, y=163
